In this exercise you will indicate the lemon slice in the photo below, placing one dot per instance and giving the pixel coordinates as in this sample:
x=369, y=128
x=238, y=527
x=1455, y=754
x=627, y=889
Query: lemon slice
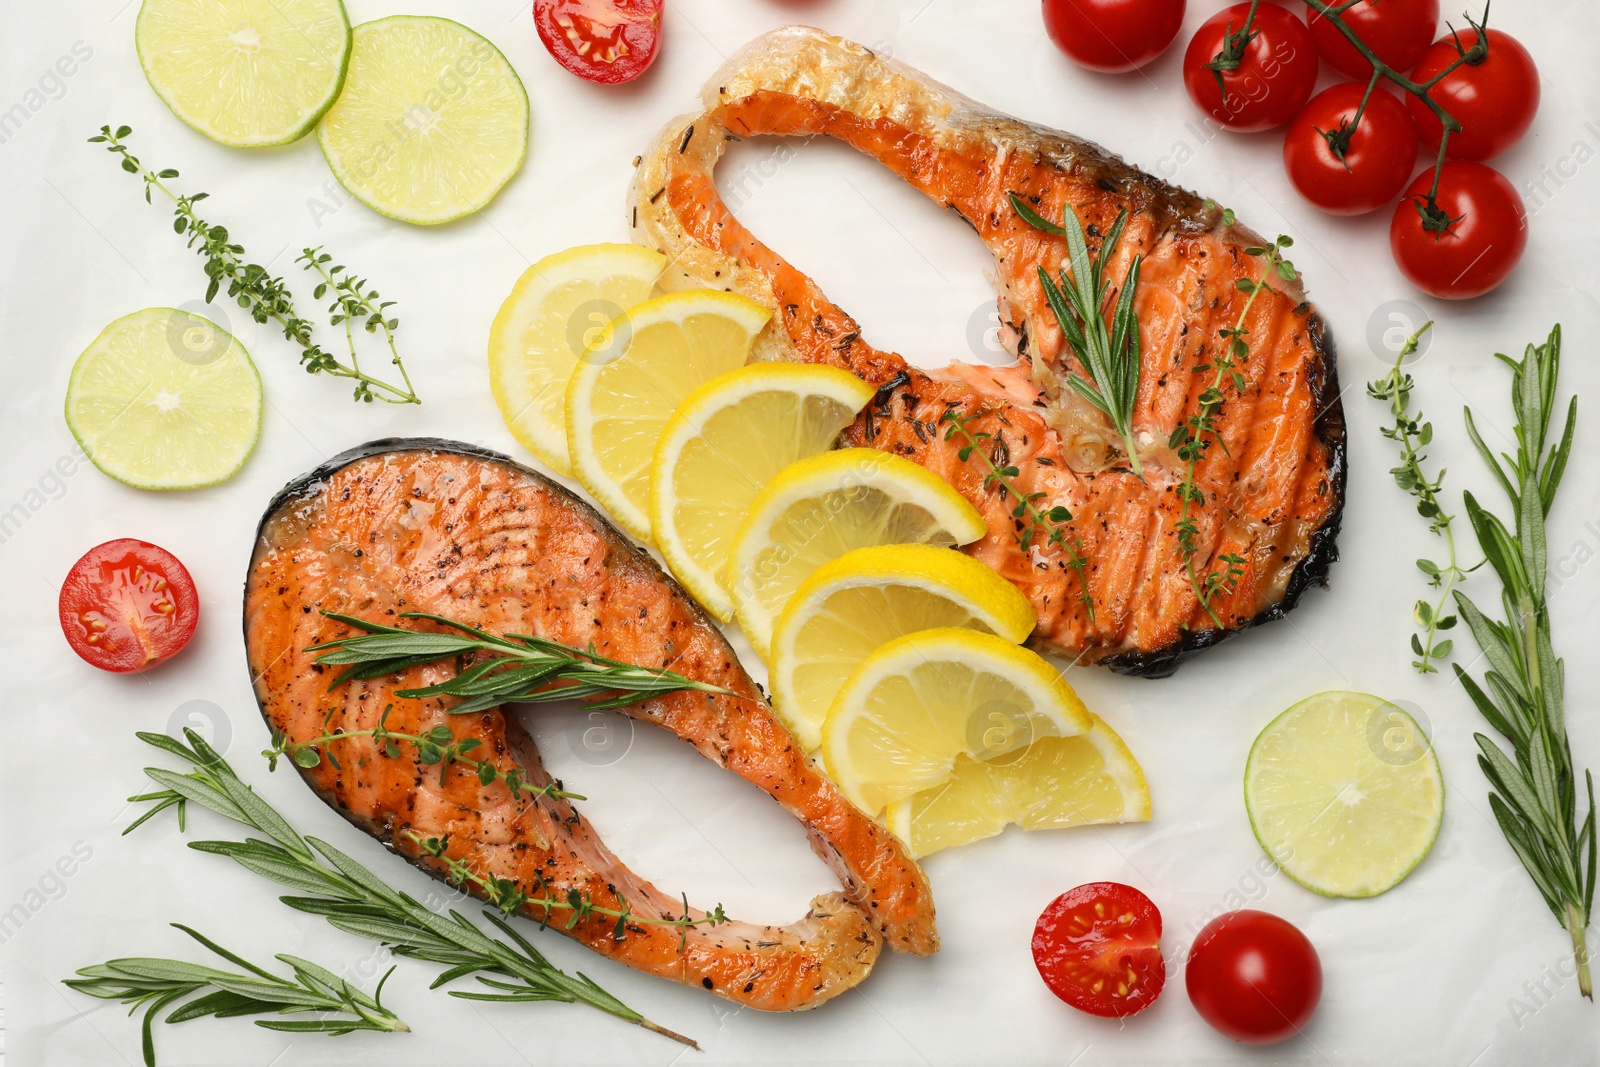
x=724, y=444
x=632, y=378
x=431, y=123
x=247, y=73
x=1344, y=793
x=1054, y=783
x=818, y=509
x=557, y=307
x=922, y=701
x=163, y=399
x=866, y=598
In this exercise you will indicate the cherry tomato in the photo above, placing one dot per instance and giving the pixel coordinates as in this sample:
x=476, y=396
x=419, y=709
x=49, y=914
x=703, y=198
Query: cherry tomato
x=1098, y=947
x=1397, y=31
x=605, y=41
x=1478, y=249
x=1378, y=158
x=1113, y=36
x=1494, y=100
x=127, y=605
x=1254, y=977
x=1276, y=68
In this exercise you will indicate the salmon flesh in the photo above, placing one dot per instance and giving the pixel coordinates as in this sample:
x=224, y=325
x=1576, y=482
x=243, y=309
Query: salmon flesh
x=1273, y=491
x=439, y=527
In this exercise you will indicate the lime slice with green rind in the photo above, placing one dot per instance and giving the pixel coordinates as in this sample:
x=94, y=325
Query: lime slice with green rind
x=432, y=122
x=247, y=73
x=165, y=399
x=1344, y=793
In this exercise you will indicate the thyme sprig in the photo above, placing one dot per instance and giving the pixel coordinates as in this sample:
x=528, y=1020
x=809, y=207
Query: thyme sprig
x=154, y=984
x=509, y=896
x=354, y=302
x=1081, y=301
x=1032, y=521
x=265, y=296
x=439, y=746
x=353, y=899
x=1534, y=790
x=1194, y=435
x=519, y=668
x=1412, y=434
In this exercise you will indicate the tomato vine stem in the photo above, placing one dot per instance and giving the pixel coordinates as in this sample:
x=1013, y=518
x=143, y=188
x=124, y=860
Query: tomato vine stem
x=1434, y=218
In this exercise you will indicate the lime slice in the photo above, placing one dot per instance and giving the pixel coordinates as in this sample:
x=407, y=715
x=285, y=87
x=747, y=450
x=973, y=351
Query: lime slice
x=431, y=123
x=164, y=399
x=247, y=73
x=923, y=701
x=727, y=440
x=1054, y=783
x=559, y=305
x=1344, y=793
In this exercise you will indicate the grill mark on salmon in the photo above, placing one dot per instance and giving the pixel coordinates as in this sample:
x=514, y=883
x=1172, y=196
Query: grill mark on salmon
x=1274, y=494
x=440, y=527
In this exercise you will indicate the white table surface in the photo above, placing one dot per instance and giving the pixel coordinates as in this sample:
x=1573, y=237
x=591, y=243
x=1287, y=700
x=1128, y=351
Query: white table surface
x=1432, y=972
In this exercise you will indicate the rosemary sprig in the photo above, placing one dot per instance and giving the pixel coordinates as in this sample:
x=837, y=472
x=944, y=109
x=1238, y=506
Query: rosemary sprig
x=154, y=984
x=1110, y=353
x=509, y=897
x=1534, y=790
x=1194, y=435
x=438, y=746
x=265, y=296
x=520, y=668
x=1413, y=435
x=1032, y=521
x=353, y=899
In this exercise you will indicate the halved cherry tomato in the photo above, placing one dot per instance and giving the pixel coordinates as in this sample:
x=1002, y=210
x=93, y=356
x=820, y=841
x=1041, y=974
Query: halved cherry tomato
x=1480, y=247
x=1494, y=100
x=1378, y=158
x=605, y=41
x=127, y=605
x=1397, y=31
x=1254, y=977
x=1275, y=72
x=1113, y=36
x=1098, y=947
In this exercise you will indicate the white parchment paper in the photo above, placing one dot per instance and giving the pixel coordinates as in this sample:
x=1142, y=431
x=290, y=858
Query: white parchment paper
x=1461, y=964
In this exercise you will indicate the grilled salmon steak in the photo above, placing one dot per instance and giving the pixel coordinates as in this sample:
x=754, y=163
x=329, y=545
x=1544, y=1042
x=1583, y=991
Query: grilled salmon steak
x=433, y=526
x=1273, y=492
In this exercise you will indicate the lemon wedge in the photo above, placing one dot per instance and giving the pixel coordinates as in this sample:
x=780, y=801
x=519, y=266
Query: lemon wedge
x=724, y=444
x=165, y=399
x=1344, y=793
x=866, y=598
x=818, y=509
x=558, y=306
x=633, y=377
x=247, y=73
x=1054, y=783
x=922, y=701
x=431, y=123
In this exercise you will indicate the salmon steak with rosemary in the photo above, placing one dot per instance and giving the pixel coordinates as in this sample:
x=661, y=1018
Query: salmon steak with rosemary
x=1130, y=558
x=446, y=529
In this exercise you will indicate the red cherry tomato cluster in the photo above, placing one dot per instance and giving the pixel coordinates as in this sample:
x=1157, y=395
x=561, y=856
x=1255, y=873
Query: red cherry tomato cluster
x=1253, y=976
x=1457, y=230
